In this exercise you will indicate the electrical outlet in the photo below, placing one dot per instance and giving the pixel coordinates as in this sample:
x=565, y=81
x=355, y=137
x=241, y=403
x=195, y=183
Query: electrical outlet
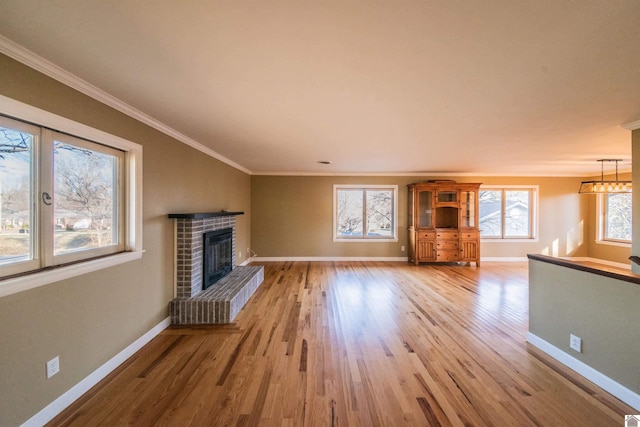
x=239, y=254
x=402, y=248
x=575, y=343
x=53, y=366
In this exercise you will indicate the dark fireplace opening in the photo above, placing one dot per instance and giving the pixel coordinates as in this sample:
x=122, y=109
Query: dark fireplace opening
x=218, y=253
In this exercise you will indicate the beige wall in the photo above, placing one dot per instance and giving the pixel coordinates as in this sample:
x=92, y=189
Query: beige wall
x=89, y=319
x=292, y=216
x=562, y=218
x=602, y=311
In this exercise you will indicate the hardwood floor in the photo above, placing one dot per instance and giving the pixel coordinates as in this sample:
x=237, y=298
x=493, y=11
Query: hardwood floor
x=358, y=344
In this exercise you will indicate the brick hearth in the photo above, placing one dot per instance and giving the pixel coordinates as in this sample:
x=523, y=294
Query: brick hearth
x=221, y=302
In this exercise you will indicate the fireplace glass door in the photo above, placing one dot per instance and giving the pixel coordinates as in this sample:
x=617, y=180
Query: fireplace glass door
x=218, y=252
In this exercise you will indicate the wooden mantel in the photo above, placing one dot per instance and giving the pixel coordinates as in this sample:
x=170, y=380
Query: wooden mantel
x=203, y=215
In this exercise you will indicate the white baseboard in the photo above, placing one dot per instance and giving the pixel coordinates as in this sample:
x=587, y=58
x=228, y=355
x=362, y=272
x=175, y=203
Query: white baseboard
x=628, y=396
x=504, y=259
x=320, y=258
x=70, y=396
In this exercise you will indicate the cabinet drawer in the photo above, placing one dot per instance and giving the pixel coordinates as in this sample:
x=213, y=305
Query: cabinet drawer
x=426, y=235
x=469, y=235
x=447, y=255
x=447, y=234
x=447, y=245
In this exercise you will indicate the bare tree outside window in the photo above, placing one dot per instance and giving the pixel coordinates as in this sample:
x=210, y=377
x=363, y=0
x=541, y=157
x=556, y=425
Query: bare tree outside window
x=365, y=213
x=15, y=195
x=516, y=213
x=506, y=213
x=490, y=210
x=617, y=216
x=350, y=220
x=379, y=213
x=85, y=192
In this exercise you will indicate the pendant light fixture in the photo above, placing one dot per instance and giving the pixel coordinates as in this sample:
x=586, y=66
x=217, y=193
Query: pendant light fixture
x=608, y=186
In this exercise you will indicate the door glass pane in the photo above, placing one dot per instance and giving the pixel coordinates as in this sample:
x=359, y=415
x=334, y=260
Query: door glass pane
x=516, y=218
x=349, y=214
x=380, y=213
x=85, y=199
x=16, y=189
x=490, y=213
x=618, y=216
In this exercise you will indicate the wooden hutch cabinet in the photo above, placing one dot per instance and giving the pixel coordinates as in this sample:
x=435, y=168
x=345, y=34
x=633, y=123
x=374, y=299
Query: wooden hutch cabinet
x=443, y=222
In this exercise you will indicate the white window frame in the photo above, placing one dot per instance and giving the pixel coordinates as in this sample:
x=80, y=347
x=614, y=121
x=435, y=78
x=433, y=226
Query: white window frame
x=533, y=237
x=132, y=187
x=50, y=137
x=393, y=238
x=601, y=226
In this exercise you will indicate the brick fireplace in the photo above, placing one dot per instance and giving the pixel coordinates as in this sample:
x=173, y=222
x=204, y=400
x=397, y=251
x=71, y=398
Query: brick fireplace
x=190, y=230
x=224, y=299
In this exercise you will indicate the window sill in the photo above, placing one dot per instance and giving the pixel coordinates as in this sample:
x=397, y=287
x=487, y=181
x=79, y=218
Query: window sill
x=485, y=240
x=42, y=278
x=611, y=243
x=356, y=240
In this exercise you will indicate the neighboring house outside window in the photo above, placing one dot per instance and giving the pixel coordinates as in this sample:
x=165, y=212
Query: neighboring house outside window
x=365, y=212
x=507, y=212
x=615, y=214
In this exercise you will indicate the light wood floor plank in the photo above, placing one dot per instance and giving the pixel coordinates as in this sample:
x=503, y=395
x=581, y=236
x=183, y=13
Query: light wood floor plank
x=357, y=344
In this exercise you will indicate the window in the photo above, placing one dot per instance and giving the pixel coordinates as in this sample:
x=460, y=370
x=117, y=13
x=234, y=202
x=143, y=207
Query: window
x=64, y=198
x=87, y=198
x=507, y=212
x=616, y=216
x=61, y=198
x=365, y=213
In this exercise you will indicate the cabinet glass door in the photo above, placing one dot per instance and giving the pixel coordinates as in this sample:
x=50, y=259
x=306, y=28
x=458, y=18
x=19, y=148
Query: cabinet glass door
x=425, y=209
x=411, y=207
x=448, y=196
x=468, y=209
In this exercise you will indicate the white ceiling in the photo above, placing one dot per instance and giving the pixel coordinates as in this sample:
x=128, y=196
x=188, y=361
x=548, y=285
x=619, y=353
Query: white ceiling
x=493, y=87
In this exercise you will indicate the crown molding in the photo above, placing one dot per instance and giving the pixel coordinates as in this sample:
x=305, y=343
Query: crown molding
x=632, y=126
x=32, y=60
x=430, y=174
